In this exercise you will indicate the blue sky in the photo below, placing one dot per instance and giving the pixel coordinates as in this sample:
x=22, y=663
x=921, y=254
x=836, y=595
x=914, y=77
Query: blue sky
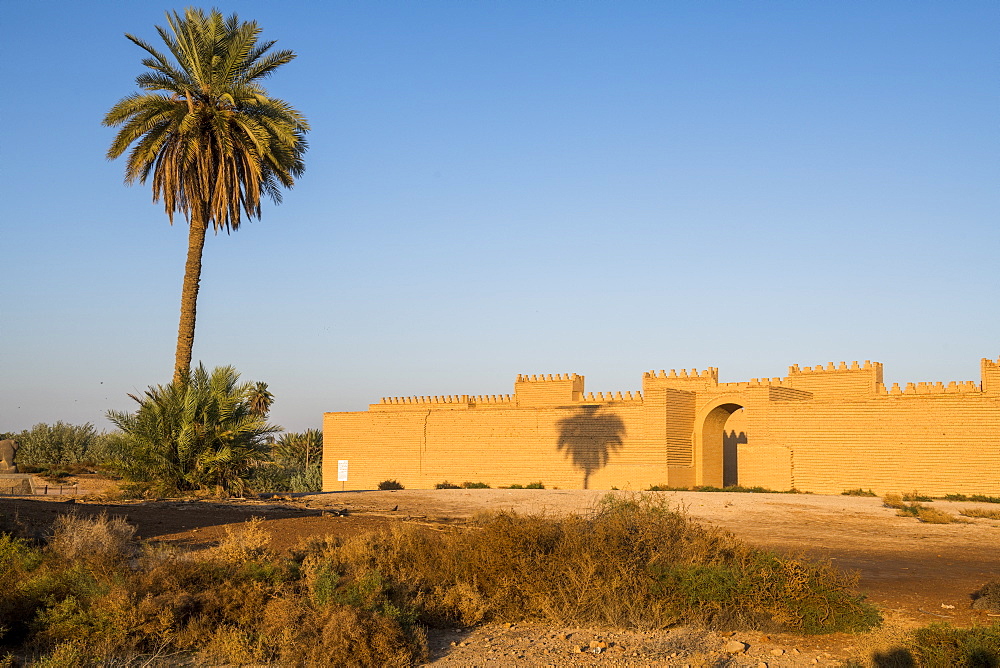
x=495, y=188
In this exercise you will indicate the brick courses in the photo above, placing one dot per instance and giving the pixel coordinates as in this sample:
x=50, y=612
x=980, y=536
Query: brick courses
x=822, y=429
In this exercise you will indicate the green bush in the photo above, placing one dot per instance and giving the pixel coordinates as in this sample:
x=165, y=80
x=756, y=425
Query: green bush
x=59, y=444
x=530, y=485
x=447, y=485
x=475, y=485
x=980, y=498
x=944, y=646
x=205, y=433
x=390, y=484
x=294, y=464
x=858, y=492
x=731, y=488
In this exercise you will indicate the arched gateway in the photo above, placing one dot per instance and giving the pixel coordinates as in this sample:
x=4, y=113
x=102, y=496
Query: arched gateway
x=824, y=429
x=717, y=445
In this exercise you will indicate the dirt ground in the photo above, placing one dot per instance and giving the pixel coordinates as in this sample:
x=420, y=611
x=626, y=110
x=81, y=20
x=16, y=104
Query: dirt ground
x=916, y=573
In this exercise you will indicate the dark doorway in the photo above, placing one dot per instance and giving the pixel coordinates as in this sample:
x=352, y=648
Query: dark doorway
x=719, y=458
x=734, y=435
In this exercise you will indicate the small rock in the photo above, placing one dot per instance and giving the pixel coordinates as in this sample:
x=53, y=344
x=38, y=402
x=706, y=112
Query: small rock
x=796, y=651
x=762, y=664
x=597, y=644
x=777, y=652
x=580, y=649
x=735, y=647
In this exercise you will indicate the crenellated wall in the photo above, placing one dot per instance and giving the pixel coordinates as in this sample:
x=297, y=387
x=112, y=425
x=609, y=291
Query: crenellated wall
x=822, y=429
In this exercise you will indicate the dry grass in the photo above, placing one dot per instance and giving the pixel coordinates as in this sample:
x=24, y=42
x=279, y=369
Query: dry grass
x=935, y=516
x=907, y=506
x=989, y=514
x=633, y=563
x=98, y=540
x=92, y=598
x=243, y=542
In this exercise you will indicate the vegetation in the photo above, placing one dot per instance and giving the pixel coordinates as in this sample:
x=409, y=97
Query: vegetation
x=389, y=485
x=47, y=446
x=989, y=514
x=208, y=134
x=634, y=563
x=199, y=434
x=94, y=596
x=295, y=463
x=907, y=506
x=731, y=488
x=944, y=646
x=530, y=485
x=858, y=492
x=464, y=485
x=978, y=498
x=988, y=596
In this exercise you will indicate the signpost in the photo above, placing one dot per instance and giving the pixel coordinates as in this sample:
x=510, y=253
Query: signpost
x=342, y=472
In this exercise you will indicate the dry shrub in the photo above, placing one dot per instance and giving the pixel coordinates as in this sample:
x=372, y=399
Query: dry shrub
x=987, y=597
x=244, y=542
x=944, y=645
x=989, y=514
x=892, y=500
x=633, y=563
x=96, y=540
x=337, y=635
x=908, y=506
x=935, y=516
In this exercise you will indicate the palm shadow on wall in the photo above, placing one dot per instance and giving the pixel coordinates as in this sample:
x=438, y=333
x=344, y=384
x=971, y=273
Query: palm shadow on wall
x=589, y=437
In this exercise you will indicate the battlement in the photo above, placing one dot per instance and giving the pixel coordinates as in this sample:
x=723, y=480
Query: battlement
x=837, y=380
x=443, y=399
x=608, y=397
x=844, y=380
x=795, y=369
x=755, y=382
x=990, y=371
x=543, y=378
x=710, y=374
x=548, y=389
x=489, y=399
x=914, y=389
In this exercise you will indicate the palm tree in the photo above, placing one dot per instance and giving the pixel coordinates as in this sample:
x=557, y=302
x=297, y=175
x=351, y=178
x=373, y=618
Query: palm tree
x=260, y=398
x=209, y=134
x=197, y=434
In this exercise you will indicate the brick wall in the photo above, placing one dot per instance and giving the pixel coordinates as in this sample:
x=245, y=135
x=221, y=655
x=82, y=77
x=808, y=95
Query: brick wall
x=823, y=429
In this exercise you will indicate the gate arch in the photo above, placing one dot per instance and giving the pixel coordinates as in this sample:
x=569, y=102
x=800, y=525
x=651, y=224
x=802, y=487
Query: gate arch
x=714, y=463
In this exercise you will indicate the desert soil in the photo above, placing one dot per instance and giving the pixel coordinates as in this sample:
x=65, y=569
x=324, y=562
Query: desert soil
x=916, y=573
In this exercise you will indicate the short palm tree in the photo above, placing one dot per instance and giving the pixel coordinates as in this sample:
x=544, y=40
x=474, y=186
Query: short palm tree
x=209, y=134
x=197, y=434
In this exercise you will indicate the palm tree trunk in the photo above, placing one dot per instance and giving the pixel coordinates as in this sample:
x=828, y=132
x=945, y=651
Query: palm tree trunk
x=189, y=296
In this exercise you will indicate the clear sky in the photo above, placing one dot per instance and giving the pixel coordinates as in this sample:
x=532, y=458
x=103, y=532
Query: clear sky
x=495, y=188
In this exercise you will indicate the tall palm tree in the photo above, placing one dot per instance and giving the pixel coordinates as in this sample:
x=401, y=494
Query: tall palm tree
x=209, y=134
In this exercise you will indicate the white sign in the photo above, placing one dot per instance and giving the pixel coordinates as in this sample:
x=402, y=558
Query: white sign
x=341, y=470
